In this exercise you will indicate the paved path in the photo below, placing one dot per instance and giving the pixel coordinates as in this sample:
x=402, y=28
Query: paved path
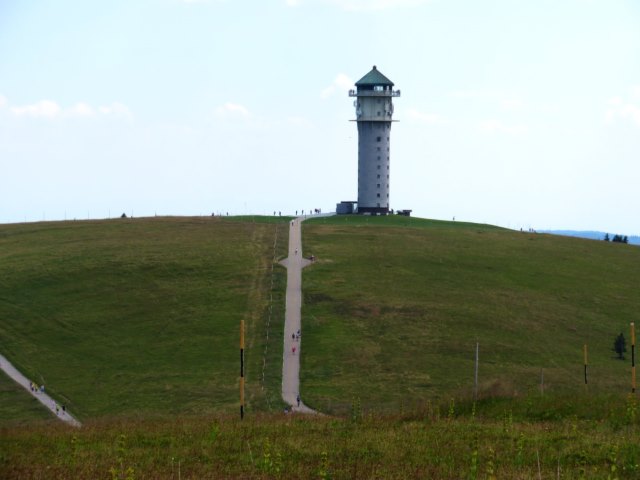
x=42, y=397
x=292, y=324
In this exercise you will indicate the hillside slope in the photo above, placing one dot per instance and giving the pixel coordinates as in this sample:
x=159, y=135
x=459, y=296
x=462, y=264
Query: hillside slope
x=393, y=308
x=140, y=316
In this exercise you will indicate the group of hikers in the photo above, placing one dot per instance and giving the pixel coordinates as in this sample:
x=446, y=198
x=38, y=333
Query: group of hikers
x=314, y=211
x=40, y=389
x=295, y=337
x=35, y=388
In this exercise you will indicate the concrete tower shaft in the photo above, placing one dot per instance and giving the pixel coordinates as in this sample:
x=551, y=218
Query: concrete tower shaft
x=374, y=112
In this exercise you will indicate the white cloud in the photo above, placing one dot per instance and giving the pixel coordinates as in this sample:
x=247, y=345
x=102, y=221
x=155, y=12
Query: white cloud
x=233, y=110
x=495, y=126
x=43, y=108
x=80, y=110
x=428, y=118
x=116, y=109
x=342, y=83
x=51, y=110
x=625, y=109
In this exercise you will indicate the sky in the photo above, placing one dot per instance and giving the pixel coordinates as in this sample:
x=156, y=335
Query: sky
x=518, y=113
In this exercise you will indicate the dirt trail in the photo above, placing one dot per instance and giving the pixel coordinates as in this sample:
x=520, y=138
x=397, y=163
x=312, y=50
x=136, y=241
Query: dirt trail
x=42, y=397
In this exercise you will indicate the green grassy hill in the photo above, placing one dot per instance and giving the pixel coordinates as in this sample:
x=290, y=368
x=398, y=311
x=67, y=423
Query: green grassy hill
x=141, y=316
x=129, y=321
x=394, y=306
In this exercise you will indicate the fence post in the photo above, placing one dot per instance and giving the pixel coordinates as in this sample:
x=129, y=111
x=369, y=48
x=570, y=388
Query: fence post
x=633, y=357
x=475, y=390
x=241, y=369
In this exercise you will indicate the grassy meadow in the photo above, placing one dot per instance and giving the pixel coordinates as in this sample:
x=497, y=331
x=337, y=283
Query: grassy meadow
x=496, y=438
x=141, y=316
x=393, y=308
x=133, y=324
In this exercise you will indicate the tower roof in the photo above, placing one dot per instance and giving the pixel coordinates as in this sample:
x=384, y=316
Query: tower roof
x=374, y=77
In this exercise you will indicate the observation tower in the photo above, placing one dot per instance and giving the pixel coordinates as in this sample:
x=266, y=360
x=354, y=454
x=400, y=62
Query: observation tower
x=374, y=111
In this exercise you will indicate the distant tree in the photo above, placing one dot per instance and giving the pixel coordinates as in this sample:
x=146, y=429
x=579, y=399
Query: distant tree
x=620, y=238
x=124, y=215
x=620, y=346
x=606, y=237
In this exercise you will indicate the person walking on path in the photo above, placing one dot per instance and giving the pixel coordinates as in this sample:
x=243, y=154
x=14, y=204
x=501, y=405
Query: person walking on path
x=39, y=394
x=294, y=263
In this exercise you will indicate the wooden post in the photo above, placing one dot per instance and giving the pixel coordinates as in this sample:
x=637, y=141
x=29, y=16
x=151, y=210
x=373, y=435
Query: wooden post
x=585, y=364
x=475, y=390
x=633, y=357
x=241, y=369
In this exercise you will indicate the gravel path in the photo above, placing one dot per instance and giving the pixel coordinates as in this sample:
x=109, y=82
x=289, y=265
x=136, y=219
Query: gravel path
x=292, y=324
x=42, y=397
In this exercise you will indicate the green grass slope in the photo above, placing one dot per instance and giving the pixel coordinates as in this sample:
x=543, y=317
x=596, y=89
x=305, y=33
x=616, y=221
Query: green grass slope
x=141, y=316
x=394, y=306
x=17, y=406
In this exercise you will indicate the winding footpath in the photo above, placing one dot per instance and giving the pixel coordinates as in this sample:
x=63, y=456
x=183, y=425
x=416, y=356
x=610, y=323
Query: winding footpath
x=42, y=397
x=292, y=324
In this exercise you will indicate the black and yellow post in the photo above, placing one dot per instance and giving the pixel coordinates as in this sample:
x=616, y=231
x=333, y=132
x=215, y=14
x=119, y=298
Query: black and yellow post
x=633, y=357
x=585, y=365
x=241, y=369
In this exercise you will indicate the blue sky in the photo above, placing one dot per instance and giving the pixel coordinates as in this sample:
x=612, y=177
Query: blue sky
x=519, y=113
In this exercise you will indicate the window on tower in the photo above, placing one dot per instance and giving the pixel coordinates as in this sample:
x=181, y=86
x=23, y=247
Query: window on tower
x=378, y=195
x=379, y=139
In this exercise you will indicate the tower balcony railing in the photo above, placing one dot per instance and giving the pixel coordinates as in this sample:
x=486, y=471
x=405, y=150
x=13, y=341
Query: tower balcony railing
x=374, y=93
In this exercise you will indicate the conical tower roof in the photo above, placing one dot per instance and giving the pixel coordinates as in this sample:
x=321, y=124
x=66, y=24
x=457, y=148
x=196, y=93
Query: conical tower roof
x=374, y=77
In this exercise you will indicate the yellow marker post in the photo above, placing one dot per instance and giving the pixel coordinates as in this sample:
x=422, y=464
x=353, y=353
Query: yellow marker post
x=241, y=369
x=633, y=357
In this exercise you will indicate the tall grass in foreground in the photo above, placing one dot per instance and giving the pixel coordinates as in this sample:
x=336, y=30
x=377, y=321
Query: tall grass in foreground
x=563, y=437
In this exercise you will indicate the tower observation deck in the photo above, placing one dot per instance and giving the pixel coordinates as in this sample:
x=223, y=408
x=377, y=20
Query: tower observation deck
x=374, y=112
